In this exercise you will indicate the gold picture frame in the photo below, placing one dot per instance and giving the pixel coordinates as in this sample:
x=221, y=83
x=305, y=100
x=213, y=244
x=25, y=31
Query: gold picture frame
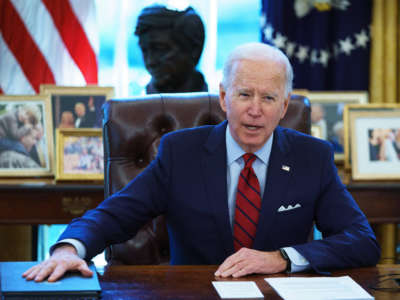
x=351, y=108
x=79, y=154
x=300, y=92
x=327, y=111
x=77, y=107
x=26, y=135
x=375, y=146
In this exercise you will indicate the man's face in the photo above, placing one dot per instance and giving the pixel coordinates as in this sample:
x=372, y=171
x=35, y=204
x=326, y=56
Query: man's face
x=254, y=101
x=167, y=63
x=80, y=110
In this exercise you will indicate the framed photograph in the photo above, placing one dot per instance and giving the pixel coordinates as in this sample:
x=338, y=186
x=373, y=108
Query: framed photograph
x=375, y=146
x=77, y=107
x=327, y=112
x=79, y=154
x=26, y=136
x=353, y=108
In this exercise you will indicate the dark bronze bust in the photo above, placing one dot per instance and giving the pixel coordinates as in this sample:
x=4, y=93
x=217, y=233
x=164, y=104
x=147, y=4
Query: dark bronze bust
x=171, y=42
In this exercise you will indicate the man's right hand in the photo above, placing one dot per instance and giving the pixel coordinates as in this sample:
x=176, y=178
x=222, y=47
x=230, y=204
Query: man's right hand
x=63, y=259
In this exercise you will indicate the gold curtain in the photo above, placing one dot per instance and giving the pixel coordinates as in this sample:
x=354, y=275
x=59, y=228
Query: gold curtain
x=385, y=52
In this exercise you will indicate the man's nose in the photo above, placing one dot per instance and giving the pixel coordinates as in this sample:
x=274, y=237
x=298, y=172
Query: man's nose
x=255, y=107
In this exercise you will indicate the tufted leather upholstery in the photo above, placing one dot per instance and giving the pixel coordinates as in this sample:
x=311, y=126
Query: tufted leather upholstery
x=132, y=130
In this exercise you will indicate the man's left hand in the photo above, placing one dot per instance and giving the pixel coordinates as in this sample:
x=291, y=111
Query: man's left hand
x=248, y=261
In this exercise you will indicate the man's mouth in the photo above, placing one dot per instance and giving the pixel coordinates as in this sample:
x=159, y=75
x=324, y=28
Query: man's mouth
x=252, y=127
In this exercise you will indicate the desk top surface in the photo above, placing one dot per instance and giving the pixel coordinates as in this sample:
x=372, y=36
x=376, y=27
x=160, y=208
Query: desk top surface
x=51, y=183
x=194, y=282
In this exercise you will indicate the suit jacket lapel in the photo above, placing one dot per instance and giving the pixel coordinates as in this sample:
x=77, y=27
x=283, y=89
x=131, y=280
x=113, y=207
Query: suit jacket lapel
x=275, y=189
x=214, y=168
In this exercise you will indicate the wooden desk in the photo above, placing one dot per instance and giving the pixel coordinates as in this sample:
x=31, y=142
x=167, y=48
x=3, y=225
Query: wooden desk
x=380, y=201
x=47, y=202
x=26, y=202
x=194, y=282
x=33, y=202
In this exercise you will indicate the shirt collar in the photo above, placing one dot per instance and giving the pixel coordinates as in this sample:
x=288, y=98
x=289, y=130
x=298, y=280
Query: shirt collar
x=234, y=151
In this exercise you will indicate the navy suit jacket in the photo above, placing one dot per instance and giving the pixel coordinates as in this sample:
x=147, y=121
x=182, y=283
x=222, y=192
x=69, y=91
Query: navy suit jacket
x=187, y=182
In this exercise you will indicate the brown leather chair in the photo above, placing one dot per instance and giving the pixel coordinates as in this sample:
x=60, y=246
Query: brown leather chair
x=132, y=130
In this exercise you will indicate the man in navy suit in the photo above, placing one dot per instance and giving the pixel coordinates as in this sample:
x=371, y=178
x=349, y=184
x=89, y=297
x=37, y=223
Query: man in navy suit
x=194, y=178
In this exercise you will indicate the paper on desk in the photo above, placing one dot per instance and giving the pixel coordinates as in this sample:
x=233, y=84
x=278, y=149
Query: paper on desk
x=318, y=288
x=237, y=289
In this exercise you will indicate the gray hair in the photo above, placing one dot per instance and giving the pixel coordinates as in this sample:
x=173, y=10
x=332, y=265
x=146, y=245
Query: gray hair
x=258, y=51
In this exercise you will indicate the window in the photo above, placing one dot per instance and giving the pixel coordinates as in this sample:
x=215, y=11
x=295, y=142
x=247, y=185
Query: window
x=228, y=24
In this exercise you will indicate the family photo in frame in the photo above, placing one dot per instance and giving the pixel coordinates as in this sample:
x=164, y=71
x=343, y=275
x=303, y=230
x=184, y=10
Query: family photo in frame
x=79, y=154
x=77, y=107
x=27, y=132
x=327, y=114
x=349, y=110
x=375, y=144
x=26, y=136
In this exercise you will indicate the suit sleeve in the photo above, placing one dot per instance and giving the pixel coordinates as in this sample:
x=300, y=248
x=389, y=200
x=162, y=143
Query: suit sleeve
x=348, y=240
x=120, y=216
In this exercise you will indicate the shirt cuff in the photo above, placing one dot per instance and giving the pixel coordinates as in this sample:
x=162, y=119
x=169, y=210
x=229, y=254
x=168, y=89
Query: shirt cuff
x=78, y=245
x=298, y=262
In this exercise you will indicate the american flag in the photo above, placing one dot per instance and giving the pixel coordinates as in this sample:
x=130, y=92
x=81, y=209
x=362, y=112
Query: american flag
x=327, y=41
x=47, y=41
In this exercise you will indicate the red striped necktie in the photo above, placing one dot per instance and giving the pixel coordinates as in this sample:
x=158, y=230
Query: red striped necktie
x=248, y=205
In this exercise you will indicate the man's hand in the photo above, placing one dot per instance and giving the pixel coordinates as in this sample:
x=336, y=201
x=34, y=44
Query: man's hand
x=248, y=261
x=63, y=259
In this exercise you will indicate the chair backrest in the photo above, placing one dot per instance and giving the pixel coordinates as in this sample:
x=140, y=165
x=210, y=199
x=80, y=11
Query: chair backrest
x=132, y=130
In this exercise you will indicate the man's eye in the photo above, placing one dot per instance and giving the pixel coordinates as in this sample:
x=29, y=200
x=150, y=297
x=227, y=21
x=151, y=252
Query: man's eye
x=244, y=95
x=269, y=98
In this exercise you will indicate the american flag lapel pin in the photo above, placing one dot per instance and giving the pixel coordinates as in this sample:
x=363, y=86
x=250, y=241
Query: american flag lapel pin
x=286, y=168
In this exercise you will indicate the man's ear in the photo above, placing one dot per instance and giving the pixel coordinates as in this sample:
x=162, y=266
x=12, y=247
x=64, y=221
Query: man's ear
x=285, y=105
x=222, y=95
